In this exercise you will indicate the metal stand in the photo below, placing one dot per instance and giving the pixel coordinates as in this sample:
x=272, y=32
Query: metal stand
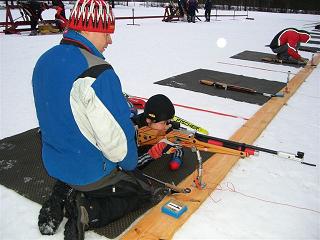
x=133, y=19
x=286, y=90
x=312, y=61
x=198, y=181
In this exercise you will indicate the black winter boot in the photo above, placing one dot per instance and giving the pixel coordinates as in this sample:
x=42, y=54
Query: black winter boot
x=78, y=220
x=52, y=211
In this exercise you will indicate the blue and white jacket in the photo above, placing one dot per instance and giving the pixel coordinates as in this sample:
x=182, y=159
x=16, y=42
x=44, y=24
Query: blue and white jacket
x=83, y=115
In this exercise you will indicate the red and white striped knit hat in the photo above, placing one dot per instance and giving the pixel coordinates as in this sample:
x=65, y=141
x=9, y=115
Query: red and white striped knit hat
x=92, y=16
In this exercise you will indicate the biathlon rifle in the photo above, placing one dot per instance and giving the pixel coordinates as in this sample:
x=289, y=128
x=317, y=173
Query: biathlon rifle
x=231, y=87
x=177, y=136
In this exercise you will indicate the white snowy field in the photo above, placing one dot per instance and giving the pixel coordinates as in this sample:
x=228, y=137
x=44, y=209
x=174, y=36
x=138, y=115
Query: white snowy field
x=263, y=197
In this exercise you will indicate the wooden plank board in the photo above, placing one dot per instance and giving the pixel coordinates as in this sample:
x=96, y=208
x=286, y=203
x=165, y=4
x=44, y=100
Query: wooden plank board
x=156, y=225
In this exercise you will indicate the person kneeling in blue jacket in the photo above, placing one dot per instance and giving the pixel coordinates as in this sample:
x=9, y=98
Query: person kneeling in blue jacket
x=88, y=139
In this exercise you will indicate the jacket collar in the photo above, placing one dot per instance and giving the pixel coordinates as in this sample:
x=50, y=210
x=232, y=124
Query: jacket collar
x=72, y=37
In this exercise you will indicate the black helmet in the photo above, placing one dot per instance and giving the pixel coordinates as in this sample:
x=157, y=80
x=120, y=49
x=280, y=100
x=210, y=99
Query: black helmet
x=159, y=108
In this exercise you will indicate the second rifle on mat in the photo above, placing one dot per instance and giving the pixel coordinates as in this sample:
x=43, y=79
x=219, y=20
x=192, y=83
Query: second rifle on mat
x=231, y=87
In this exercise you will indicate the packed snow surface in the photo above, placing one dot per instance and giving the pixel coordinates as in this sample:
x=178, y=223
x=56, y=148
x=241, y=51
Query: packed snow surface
x=264, y=197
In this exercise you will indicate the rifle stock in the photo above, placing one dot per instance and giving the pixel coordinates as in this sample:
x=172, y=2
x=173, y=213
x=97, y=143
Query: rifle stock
x=183, y=138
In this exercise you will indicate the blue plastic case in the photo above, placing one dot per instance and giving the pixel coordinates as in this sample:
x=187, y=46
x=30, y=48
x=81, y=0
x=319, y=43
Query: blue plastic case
x=174, y=208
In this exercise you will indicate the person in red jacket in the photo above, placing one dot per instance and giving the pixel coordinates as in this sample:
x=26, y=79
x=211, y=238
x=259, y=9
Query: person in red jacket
x=287, y=42
x=60, y=16
x=60, y=19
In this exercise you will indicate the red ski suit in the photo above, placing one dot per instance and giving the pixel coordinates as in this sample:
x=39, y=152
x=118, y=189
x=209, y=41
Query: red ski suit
x=63, y=22
x=291, y=37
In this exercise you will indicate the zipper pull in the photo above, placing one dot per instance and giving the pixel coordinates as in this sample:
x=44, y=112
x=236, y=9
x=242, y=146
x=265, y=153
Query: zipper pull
x=104, y=165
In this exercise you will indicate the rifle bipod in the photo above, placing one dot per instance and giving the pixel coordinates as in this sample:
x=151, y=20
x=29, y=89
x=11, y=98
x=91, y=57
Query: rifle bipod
x=198, y=181
x=173, y=188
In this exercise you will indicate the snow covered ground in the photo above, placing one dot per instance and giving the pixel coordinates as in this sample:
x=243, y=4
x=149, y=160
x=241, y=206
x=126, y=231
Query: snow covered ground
x=263, y=197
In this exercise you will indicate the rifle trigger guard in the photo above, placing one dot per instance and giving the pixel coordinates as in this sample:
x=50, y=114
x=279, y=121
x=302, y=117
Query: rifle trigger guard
x=170, y=143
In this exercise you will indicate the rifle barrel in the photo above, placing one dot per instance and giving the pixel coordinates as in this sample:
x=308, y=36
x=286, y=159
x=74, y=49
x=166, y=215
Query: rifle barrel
x=251, y=149
x=244, y=147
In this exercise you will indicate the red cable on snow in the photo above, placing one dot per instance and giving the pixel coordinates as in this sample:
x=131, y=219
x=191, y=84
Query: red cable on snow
x=264, y=69
x=231, y=188
x=202, y=110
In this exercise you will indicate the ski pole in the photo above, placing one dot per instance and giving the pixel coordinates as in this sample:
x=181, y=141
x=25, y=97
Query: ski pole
x=236, y=88
x=168, y=185
x=251, y=149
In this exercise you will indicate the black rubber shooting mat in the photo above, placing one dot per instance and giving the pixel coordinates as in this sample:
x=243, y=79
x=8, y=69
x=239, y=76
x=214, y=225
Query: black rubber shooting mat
x=309, y=49
x=21, y=170
x=314, y=42
x=257, y=56
x=190, y=81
